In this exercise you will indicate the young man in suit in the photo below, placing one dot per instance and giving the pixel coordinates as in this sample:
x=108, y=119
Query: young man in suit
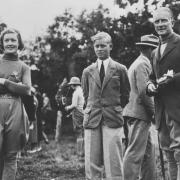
x=106, y=89
x=165, y=84
x=139, y=157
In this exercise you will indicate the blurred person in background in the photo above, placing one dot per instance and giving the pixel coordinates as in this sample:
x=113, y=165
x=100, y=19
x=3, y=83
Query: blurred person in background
x=139, y=161
x=33, y=130
x=15, y=81
x=77, y=114
x=39, y=116
x=63, y=98
x=164, y=84
x=61, y=105
x=47, y=111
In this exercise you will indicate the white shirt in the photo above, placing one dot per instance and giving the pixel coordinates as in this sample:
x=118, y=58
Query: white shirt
x=162, y=48
x=78, y=99
x=105, y=62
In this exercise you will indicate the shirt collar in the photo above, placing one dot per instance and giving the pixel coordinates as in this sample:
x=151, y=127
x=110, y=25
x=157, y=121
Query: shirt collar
x=106, y=61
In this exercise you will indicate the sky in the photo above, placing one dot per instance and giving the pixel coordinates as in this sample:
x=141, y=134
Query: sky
x=32, y=17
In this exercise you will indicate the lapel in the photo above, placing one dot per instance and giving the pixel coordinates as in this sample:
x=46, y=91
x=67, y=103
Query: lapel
x=156, y=60
x=109, y=73
x=94, y=72
x=170, y=46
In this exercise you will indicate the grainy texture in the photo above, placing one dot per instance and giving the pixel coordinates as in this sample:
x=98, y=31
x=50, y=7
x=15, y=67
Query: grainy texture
x=61, y=163
x=52, y=163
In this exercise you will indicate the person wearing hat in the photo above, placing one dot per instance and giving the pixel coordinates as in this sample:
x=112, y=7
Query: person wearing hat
x=77, y=114
x=165, y=85
x=139, y=156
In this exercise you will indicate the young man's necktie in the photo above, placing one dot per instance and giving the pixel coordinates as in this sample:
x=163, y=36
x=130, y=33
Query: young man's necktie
x=102, y=72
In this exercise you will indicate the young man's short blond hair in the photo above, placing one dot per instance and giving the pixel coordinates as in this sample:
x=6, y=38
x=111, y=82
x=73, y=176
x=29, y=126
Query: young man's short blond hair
x=102, y=35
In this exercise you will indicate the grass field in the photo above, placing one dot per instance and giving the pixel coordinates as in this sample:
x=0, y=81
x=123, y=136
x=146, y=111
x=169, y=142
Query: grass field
x=53, y=162
x=60, y=162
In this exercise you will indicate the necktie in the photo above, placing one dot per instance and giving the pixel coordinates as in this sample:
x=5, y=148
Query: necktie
x=102, y=72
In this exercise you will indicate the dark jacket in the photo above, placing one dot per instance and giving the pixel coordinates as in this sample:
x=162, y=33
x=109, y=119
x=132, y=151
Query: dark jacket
x=168, y=96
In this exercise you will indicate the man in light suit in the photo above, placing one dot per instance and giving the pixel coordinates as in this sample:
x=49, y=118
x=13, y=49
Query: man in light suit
x=106, y=89
x=165, y=85
x=139, y=157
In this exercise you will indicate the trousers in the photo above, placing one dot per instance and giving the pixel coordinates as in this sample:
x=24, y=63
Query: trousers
x=103, y=153
x=8, y=166
x=169, y=136
x=139, y=158
x=58, y=127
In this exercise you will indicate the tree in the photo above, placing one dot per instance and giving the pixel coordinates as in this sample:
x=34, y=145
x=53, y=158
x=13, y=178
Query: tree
x=69, y=39
x=3, y=26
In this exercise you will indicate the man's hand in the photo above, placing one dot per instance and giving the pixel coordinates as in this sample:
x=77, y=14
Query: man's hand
x=152, y=88
x=31, y=126
x=67, y=108
x=2, y=81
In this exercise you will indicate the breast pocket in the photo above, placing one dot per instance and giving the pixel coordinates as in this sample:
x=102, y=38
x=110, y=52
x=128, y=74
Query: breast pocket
x=115, y=82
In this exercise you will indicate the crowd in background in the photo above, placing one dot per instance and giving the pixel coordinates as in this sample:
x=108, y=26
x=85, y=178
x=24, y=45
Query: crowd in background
x=107, y=95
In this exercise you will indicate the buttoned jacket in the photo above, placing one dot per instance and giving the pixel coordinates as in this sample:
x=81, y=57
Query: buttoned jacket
x=168, y=98
x=107, y=100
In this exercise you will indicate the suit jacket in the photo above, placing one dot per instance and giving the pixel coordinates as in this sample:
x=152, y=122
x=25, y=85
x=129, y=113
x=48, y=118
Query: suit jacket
x=140, y=105
x=168, y=98
x=107, y=100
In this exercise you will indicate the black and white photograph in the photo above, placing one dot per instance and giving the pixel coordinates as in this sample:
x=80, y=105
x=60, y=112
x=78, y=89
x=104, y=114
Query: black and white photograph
x=90, y=90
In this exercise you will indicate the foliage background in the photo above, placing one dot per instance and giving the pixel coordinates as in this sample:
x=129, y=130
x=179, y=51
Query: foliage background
x=66, y=49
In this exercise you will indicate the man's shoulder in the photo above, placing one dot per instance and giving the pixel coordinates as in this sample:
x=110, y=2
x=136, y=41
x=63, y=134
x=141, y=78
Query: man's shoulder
x=176, y=38
x=119, y=65
x=137, y=62
x=88, y=68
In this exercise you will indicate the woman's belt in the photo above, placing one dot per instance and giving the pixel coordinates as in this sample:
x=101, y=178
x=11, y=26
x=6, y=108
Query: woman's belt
x=8, y=95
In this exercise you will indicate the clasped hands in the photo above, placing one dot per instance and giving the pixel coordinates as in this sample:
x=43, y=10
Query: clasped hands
x=161, y=82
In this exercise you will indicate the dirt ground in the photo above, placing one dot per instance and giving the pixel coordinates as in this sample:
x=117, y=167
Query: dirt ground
x=60, y=162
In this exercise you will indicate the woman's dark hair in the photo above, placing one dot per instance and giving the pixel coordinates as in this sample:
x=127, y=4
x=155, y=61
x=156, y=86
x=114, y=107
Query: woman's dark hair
x=8, y=31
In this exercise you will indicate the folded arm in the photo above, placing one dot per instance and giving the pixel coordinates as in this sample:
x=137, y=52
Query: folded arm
x=19, y=88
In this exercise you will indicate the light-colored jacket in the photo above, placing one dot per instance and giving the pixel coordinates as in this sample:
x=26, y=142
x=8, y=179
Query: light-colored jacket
x=140, y=105
x=108, y=99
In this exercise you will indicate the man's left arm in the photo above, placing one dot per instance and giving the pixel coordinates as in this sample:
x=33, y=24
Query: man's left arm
x=125, y=87
x=85, y=87
x=74, y=102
